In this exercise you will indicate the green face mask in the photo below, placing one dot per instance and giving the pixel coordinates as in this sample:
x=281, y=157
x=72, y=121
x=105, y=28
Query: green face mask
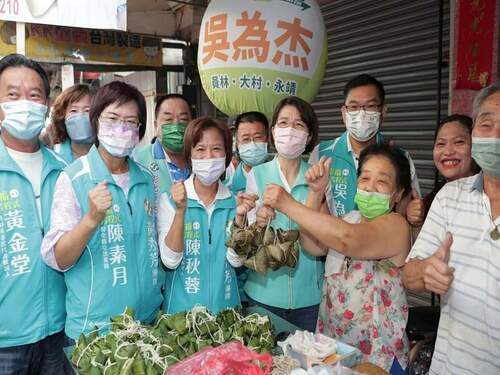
x=486, y=153
x=372, y=204
x=172, y=136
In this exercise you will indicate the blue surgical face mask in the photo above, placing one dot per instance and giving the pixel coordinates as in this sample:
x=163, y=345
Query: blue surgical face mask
x=23, y=119
x=253, y=153
x=79, y=128
x=486, y=153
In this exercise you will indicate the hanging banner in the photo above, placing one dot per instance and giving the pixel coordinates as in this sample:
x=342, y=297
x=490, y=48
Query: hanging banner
x=475, y=43
x=66, y=44
x=96, y=14
x=253, y=53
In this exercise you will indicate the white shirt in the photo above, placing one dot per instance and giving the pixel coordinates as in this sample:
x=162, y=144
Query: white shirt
x=468, y=339
x=165, y=218
x=66, y=213
x=31, y=164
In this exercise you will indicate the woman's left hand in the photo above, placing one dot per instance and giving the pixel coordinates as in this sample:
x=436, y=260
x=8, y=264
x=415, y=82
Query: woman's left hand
x=245, y=202
x=276, y=197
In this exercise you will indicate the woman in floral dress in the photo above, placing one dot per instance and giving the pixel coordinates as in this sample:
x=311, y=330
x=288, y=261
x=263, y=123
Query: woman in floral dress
x=363, y=302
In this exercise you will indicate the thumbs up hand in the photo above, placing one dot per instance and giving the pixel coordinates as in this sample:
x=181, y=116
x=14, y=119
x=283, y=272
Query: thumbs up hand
x=438, y=276
x=415, y=210
x=318, y=176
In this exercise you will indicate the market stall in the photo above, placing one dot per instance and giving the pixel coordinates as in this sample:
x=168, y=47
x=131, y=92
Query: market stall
x=172, y=343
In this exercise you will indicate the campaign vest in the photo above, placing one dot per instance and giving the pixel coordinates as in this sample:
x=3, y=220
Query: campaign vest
x=287, y=288
x=31, y=293
x=120, y=265
x=158, y=167
x=343, y=174
x=204, y=276
x=239, y=181
x=64, y=150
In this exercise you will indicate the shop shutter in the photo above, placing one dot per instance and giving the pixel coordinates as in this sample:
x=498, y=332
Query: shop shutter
x=396, y=41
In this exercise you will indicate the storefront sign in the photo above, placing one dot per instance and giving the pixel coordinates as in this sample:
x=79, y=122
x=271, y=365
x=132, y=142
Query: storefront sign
x=253, y=53
x=475, y=43
x=99, y=14
x=65, y=44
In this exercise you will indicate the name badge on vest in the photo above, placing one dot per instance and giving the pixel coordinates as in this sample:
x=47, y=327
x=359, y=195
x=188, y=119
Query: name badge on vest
x=154, y=167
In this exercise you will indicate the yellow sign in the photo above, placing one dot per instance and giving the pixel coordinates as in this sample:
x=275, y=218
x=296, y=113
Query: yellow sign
x=67, y=44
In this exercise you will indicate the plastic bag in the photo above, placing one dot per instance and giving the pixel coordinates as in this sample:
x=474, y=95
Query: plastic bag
x=230, y=359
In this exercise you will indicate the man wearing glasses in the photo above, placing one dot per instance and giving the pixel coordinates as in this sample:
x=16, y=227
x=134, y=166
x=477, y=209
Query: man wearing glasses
x=363, y=112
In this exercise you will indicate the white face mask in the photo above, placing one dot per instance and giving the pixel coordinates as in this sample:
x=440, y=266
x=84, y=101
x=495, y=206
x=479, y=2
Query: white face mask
x=362, y=126
x=23, y=119
x=119, y=139
x=289, y=142
x=208, y=171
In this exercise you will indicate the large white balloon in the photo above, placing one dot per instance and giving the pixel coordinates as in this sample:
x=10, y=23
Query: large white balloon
x=253, y=53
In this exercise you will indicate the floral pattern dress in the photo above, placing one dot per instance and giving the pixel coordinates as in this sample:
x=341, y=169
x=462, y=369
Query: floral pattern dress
x=364, y=305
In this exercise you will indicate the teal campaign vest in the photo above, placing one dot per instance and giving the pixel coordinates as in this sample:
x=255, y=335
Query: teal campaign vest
x=239, y=181
x=204, y=276
x=64, y=150
x=119, y=267
x=31, y=293
x=343, y=173
x=157, y=167
x=287, y=288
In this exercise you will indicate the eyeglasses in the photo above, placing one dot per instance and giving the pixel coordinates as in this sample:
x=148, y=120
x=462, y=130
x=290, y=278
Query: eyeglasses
x=353, y=109
x=133, y=123
x=255, y=139
x=297, y=125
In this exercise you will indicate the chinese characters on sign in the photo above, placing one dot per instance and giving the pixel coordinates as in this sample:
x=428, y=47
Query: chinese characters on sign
x=250, y=59
x=114, y=253
x=475, y=43
x=64, y=43
x=14, y=252
x=191, y=261
x=254, y=82
x=252, y=43
x=153, y=252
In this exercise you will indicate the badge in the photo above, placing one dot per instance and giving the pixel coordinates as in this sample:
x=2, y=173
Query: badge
x=153, y=167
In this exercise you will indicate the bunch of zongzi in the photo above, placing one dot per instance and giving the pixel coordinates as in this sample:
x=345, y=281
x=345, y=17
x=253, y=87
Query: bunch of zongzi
x=262, y=248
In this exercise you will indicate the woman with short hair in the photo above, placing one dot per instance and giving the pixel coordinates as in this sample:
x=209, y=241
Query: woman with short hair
x=291, y=293
x=194, y=222
x=70, y=129
x=102, y=233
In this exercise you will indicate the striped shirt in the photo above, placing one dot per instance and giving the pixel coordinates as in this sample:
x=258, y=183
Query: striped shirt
x=468, y=340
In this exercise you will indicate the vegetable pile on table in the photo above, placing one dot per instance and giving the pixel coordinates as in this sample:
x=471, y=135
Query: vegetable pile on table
x=261, y=248
x=133, y=348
